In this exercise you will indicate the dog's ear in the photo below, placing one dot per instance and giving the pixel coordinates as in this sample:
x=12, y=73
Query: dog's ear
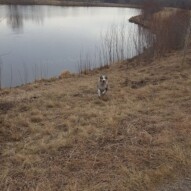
x=106, y=77
x=101, y=77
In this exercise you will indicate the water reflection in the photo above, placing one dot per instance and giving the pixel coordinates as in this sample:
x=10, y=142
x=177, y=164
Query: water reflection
x=16, y=15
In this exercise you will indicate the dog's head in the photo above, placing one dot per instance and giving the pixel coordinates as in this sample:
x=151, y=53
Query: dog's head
x=103, y=79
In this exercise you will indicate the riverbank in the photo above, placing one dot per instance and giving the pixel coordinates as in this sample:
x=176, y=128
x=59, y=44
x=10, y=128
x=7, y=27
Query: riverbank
x=146, y=22
x=58, y=135
x=66, y=3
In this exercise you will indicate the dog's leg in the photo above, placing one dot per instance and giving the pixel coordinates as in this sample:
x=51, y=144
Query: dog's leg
x=103, y=92
x=99, y=92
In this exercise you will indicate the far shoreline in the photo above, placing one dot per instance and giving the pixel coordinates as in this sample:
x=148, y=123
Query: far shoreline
x=66, y=3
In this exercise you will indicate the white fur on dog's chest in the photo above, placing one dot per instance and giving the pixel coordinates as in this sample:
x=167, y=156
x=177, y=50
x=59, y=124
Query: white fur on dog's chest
x=102, y=85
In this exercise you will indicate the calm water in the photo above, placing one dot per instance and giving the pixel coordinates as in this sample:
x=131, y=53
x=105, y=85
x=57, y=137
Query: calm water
x=42, y=41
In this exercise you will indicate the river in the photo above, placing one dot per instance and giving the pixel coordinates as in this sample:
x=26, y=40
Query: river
x=42, y=41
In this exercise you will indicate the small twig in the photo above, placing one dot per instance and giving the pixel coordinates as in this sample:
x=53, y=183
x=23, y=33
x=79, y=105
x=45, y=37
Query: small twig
x=71, y=153
x=95, y=158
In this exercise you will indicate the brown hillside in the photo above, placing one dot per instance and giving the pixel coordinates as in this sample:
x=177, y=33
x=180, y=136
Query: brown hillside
x=58, y=135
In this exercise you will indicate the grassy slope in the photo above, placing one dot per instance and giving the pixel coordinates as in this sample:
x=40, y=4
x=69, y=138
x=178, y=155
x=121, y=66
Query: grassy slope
x=57, y=135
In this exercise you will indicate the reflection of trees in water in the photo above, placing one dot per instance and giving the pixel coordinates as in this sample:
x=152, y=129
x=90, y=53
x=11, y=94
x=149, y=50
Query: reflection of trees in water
x=17, y=14
x=14, y=18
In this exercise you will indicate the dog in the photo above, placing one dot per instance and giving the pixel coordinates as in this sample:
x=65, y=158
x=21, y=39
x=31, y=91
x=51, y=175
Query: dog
x=102, y=85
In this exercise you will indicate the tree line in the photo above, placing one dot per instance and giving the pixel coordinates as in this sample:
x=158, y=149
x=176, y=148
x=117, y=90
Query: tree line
x=171, y=3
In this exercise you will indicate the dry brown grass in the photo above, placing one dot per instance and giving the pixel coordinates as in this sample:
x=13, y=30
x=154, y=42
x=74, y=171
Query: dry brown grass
x=59, y=136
